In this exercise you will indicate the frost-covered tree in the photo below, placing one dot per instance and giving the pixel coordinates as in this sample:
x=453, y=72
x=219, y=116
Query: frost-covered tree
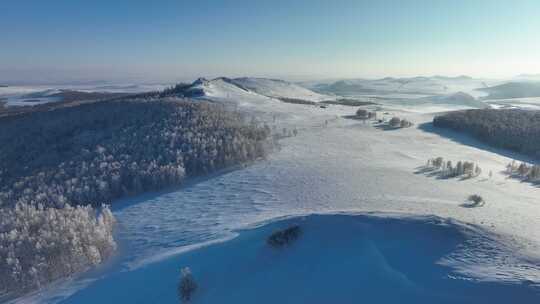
x=524, y=171
x=39, y=244
x=395, y=122
x=405, y=123
x=187, y=285
x=362, y=113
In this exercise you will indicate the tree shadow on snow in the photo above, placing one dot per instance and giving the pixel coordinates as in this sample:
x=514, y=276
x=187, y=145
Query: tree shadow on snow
x=385, y=127
x=433, y=172
x=472, y=204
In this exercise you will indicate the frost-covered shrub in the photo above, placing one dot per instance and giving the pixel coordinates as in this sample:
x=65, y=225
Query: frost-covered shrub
x=39, y=245
x=395, y=122
x=405, y=123
x=94, y=153
x=475, y=199
x=187, y=285
x=284, y=237
x=365, y=114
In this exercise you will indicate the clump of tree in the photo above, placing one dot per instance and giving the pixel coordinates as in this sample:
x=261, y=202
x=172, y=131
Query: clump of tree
x=517, y=130
x=523, y=170
x=365, y=114
x=284, y=237
x=41, y=244
x=448, y=169
x=187, y=285
x=97, y=152
x=397, y=122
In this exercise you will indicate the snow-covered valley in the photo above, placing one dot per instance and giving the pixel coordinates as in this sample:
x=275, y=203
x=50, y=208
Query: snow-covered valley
x=334, y=165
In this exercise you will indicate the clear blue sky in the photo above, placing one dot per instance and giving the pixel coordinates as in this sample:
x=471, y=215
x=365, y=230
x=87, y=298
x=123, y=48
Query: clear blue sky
x=176, y=39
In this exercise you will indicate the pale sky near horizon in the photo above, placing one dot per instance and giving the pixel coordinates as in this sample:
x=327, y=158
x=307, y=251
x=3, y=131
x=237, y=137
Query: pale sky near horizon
x=62, y=40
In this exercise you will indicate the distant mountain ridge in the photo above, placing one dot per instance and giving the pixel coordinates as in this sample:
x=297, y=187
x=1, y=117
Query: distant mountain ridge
x=458, y=98
x=427, y=85
x=513, y=90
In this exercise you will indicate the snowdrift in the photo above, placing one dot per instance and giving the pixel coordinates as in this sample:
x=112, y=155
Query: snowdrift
x=337, y=259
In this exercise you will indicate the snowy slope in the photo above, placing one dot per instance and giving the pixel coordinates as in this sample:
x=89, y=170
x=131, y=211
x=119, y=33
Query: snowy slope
x=513, y=90
x=223, y=90
x=239, y=89
x=279, y=88
x=336, y=259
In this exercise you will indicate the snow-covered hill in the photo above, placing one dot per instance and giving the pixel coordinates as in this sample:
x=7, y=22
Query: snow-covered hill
x=413, y=85
x=513, y=90
x=246, y=88
x=456, y=99
x=278, y=89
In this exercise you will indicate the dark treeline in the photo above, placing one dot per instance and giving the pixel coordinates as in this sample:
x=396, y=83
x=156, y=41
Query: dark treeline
x=517, y=130
x=96, y=152
x=297, y=101
x=349, y=102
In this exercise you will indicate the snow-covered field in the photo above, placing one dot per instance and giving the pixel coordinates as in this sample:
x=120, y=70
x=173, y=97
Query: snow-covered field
x=337, y=259
x=334, y=165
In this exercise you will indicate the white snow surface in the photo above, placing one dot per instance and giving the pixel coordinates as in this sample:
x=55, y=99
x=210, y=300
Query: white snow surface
x=249, y=91
x=335, y=164
x=279, y=88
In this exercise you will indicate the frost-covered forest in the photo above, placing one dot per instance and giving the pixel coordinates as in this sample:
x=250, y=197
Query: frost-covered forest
x=516, y=130
x=39, y=244
x=56, y=166
x=93, y=153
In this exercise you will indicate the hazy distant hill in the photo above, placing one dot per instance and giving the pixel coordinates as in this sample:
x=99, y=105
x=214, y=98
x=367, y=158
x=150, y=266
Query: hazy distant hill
x=459, y=98
x=513, y=90
x=411, y=85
